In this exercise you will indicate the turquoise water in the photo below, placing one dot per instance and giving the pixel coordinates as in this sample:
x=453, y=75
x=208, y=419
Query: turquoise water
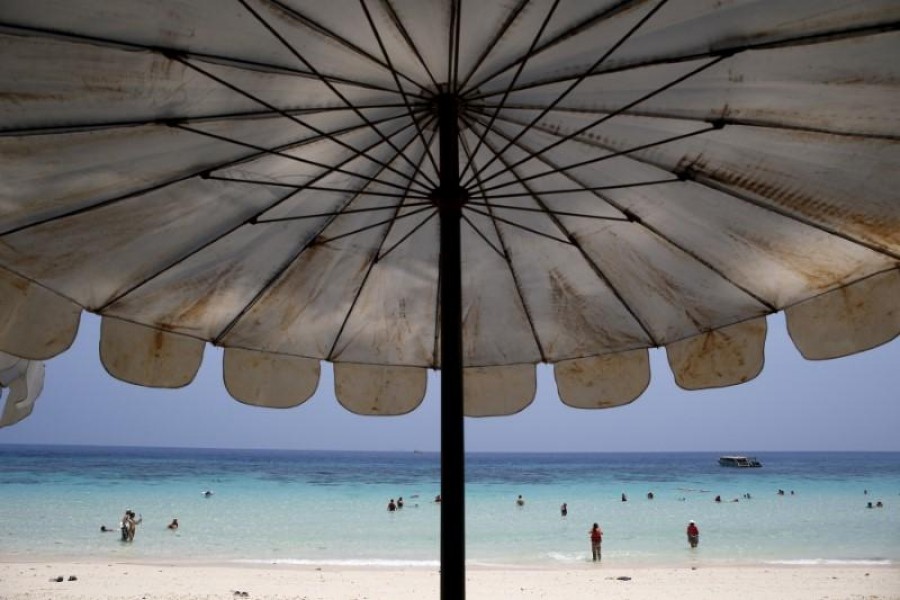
x=330, y=508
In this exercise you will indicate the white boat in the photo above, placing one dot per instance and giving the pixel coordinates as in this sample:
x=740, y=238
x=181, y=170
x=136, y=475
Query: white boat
x=741, y=462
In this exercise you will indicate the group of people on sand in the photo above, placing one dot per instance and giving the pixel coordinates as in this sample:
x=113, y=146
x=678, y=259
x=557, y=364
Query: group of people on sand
x=128, y=525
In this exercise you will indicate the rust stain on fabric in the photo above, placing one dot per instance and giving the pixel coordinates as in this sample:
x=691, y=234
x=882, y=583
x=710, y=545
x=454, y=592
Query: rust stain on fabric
x=879, y=230
x=29, y=98
x=202, y=301
x=159, y=341
x=573, y=309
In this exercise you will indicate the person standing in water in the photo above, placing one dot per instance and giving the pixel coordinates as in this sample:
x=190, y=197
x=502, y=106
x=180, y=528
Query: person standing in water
x=596, y=535
x=132, y=525
x=693, y=534
x=126, y=525
x=129, y=525
x=564, y=509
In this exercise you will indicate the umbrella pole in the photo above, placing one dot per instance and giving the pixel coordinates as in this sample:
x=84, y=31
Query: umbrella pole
x=453, y=512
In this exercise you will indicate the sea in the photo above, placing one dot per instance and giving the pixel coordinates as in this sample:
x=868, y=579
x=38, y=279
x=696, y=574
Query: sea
x=330, y=508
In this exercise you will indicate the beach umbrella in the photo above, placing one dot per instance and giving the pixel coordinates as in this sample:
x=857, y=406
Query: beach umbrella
x=477, y=187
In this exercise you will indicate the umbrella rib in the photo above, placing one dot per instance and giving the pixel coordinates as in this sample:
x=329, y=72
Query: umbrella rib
x=108, y=202
x=512, y=83
x=504, y=27
x=562, y=139
x=187, y=255
x=100, y=126
x=268, y=27
x=513, y=273
x=631, y=216
x=337, y=213
x=308, y=244
x=395, y=19
x=317, y=188
x=201, y=172
x=599, y=188
x=709, y=181
x=305, y=142
x=316, y=26
x=407, y=235
x=512, y=223
x=559, y=98
x=169, y=51
x=436, y=342
x=486, y=195
x=706, y=180
x=606, y=117
x=310, y=241
x=558, y=212
x=251, y=220
x=425, y=206
x=378, y=256
x=592, y=264
x=288, y=156
x=591, y=161
x=335, y=168
x=724, y=119
x=420, y=225
x=567, y=33
x=482, y=235
x=453, y=77
x=300, y=122
x=400, y=89
x=468, y=151
x=800, y=40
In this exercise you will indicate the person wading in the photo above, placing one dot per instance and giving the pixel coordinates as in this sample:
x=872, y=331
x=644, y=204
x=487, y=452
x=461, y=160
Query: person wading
x=596, y=535
x=693, y=534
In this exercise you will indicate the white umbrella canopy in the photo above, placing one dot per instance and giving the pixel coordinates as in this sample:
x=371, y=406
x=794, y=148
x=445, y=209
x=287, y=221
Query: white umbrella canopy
x=401, y=185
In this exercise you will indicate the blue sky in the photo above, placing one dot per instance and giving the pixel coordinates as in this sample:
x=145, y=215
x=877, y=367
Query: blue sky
x=851, y=403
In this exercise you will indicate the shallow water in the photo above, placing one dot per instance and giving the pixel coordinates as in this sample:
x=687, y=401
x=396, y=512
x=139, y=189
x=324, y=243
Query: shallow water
x=330, y=508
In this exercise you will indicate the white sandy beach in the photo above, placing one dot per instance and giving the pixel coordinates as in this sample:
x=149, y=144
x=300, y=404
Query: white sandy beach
x=117, y=580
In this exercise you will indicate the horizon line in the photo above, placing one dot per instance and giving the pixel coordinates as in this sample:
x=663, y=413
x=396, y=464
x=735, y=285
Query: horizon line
x=437, y=452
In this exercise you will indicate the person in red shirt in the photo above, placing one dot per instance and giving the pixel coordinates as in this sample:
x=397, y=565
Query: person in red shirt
x=596, y=539
x=693, y=534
